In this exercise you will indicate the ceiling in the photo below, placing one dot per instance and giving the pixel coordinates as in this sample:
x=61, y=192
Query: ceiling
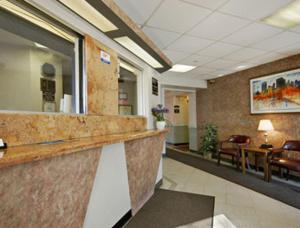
x=217, y=36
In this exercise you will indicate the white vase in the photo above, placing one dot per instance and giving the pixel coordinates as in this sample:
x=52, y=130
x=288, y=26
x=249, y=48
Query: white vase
x=160, y=125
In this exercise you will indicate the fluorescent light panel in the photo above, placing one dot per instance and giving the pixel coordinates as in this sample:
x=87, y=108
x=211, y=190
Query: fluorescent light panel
x=181, y=68
x=128, y=43
x=86, y=11
x=286, y=17
x=40, y=45
x=35, y=20
x=127, y=67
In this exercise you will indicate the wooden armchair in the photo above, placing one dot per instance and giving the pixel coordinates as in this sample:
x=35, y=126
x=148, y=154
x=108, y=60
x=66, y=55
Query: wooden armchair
x=234, y=151
x=277, y=159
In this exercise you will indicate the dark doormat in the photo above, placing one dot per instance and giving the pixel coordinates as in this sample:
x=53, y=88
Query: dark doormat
x=277, y=190
x=170, y=209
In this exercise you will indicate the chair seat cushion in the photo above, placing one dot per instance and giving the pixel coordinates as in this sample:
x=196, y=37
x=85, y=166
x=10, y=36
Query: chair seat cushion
x=292, y=164
x=229, y=151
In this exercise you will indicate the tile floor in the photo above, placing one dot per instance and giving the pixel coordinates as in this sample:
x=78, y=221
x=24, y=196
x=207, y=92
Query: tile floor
x=243, y=207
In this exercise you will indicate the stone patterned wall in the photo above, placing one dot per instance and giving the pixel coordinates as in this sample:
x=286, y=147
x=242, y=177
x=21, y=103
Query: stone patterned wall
x=49, y=193
x=227, y=104
x=102, y=79
x=142, y=157
x=18, y=129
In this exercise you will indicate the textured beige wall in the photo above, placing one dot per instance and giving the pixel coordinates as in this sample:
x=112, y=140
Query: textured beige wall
x=227, y=105
x=102, y=79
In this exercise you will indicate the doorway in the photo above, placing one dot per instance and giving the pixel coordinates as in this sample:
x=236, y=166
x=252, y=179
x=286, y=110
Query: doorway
x=181, y=119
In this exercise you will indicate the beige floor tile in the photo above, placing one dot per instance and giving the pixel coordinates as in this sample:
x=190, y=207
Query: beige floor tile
x=243, y=207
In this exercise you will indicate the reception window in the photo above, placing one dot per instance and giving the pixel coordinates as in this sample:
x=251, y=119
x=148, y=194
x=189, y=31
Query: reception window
x=128, y=95
x=39, y=63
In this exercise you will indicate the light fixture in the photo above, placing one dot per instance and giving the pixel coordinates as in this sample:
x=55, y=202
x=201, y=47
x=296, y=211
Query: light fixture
x=35, y=20
x=286, y=17
x=40, y=45
x=127, y=67
x=128, y=43
x=181, y=68
x=265, y=125
x=240, y=67
x=89, y=13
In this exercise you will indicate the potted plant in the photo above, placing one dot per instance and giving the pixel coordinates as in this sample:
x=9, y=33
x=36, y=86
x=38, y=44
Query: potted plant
x=209, y=140
x=158, y=112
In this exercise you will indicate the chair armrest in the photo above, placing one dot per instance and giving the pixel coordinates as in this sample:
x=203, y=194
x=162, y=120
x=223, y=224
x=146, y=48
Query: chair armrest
x=221, y=143
x=276, y=150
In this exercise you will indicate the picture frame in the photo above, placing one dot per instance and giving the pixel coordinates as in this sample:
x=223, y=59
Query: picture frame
x=125, y=110
x=275, y=93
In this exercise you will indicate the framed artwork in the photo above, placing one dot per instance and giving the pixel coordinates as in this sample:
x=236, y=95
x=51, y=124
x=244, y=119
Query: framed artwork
x=154, y=86
x=277, y=93
x=125, y=110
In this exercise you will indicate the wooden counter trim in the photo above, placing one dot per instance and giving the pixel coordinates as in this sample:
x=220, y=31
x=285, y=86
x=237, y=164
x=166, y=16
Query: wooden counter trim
x=35, y=152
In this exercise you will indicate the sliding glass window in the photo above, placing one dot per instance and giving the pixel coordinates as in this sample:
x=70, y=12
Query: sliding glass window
x=40, y=63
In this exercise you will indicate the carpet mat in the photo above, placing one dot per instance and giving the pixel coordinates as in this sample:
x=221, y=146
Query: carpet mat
x=277, y=190
x=170, y=209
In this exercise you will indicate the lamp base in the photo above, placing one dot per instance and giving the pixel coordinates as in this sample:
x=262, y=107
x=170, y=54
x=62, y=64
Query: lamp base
x=266, y=146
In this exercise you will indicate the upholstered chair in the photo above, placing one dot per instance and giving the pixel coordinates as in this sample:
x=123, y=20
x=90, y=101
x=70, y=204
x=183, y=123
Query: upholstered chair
x=289, y=160
x=232, y=147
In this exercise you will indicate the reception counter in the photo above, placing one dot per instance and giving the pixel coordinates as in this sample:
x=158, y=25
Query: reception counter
x=85, y=182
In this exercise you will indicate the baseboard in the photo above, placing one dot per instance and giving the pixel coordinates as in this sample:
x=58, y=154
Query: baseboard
x=123, y=220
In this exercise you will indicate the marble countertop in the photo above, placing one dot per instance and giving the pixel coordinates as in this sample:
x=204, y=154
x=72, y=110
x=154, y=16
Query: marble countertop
x=35, y=152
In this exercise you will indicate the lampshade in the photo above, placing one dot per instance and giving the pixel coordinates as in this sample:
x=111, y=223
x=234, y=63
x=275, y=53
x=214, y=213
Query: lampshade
x=265, y=125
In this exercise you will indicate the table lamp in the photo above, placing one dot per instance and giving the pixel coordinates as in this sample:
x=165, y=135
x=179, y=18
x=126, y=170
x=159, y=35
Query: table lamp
x=265, y=125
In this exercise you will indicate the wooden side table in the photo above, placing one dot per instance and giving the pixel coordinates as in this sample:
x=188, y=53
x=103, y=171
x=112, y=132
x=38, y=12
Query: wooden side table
x=258, y=152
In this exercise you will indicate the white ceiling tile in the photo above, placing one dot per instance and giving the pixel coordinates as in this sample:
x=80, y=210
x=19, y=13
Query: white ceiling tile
x=203, y=76
x=278, y=41
x=189, y=44
x=207, y=3
x=219, y=49
x=265, y=58
x=196, y=60
x=177, y=16
x=290, y=49
x=202, y=70
x=252, y=34
x=253, y=9
x=161, y=37
x=220, y=64
x=244, y=54
x=175, y=56
x=138, y=10
x=217, y=26
x=296, y=29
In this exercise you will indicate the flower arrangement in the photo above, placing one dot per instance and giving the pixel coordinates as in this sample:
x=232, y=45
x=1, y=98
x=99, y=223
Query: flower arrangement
x=159, y=111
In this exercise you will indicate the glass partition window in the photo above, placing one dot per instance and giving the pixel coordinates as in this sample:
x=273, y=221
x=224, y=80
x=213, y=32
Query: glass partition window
x=37, y=68
x=127, y=91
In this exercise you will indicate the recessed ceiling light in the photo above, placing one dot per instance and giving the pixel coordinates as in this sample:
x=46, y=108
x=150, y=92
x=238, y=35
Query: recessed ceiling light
x=137, y=50
x=40, y=45
x=286, y=17
x=127, y=67
x=240, y=67
x=181, y=68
